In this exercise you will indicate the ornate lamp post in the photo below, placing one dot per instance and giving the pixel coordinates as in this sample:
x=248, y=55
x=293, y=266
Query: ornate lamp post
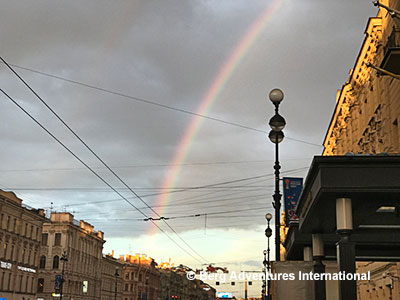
x=277, y=123
x=64, y=259
x=267, y=261
x=264, y=285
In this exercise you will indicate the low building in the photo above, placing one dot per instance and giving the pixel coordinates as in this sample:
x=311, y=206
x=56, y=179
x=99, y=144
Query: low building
x=65, y=238
x=20, y=233
x=366, y=120
x=141, y=280
x=111, y=278
x=176, y=285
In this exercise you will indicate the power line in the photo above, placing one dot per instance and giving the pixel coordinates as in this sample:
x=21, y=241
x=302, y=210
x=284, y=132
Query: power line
x=194, y=215
x=96, y=155
x=94, y=172
x=153, y=102
x=146, y=166
x=183, y=190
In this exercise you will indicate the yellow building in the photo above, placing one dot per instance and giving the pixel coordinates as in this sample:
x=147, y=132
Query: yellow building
x=20, y=233
x=367, y=113
x=141, y=280
x=366, y=120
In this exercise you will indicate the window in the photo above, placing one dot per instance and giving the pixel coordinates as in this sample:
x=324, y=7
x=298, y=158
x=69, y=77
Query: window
x=40, y=287
x=8, y=223
x=21, y=278
x=126, y=287
x=56, y=262
x=5, y=250
x=15, y=225
x=31, y=236
x=12, y=252
x=57, y=239
x=45, y=237
x=42, y=264
x=127, y=276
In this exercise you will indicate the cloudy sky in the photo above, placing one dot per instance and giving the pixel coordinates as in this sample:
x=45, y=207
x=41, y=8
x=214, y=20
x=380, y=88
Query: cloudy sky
x=170, y=53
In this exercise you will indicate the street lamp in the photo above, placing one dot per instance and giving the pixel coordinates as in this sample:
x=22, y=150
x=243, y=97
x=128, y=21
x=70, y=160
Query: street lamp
x=263, y=291
x=116, y=275
x=64, y=259
x=267, y=261
x=277, y=123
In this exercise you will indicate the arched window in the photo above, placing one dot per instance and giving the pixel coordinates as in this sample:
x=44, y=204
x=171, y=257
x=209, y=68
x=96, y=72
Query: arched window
x=56, y=261
x=42, y=264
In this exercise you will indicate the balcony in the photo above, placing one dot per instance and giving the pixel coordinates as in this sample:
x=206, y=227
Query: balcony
x=391, y=59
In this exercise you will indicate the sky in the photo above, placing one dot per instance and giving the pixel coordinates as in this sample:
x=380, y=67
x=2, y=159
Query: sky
x=171, y=54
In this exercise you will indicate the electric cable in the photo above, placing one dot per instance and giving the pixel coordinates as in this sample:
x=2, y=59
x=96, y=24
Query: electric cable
x=153, y=102
x=94, y=172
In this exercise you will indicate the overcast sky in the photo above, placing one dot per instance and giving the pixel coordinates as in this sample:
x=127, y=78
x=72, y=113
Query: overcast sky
x=170, y=52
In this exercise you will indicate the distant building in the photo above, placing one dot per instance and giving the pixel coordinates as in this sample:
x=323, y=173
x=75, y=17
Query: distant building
x=366, y=120
x=141, y=280
x=20, y=234
x=111, y=278
x=83, y=248
x=175, y=285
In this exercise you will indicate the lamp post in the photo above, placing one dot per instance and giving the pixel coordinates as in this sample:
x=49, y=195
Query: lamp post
x=264, y=286
x=116, y=275
x=267, y=261
x=277, y=123
x=64, y=259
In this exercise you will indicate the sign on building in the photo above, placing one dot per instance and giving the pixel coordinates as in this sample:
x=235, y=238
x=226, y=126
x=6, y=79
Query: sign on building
x=292, y=188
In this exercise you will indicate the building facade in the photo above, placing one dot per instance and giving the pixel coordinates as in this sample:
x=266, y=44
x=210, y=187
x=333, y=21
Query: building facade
x=20, y=233
x=367, y=113
x=65, y=238
x=175, y=285
x=111, y=278
x=366, y=120
x=141, y=280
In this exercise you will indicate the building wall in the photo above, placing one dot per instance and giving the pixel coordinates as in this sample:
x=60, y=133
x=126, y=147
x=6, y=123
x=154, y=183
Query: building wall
x=110, y=283
x=175, y=285
x=20, y=231
x=141, y=280
x=366, y=120
x=367, y=113
x=83, y=248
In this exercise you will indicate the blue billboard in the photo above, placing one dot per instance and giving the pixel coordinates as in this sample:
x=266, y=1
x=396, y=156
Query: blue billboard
x=292, y=188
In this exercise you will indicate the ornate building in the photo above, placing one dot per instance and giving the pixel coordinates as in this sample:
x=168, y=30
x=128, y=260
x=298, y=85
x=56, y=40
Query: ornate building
x=20, y=233
x=141, y=280
x=366, y=121
x=367, y=109
x=78, y=242
x=111, y=278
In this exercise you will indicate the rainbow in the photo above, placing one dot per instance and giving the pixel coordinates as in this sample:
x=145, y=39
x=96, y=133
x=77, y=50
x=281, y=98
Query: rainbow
x=222, y=77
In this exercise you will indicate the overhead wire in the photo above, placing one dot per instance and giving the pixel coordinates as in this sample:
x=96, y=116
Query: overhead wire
x=91, y=170
x=152, y=102
x=97, y=156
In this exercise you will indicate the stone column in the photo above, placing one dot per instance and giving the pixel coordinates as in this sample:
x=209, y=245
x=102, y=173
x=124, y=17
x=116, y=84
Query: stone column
x=346, y=254
x=319, y=268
